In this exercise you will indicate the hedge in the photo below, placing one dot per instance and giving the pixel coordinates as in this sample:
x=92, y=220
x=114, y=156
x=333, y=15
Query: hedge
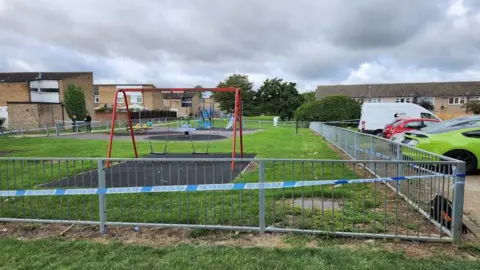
x=330, y=108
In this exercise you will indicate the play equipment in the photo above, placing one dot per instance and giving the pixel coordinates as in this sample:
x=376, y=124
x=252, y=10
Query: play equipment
x=205, y=119
x=206, y=115
x=237, y=116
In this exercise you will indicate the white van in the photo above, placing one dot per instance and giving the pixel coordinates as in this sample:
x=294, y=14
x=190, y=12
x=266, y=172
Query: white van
x=375, y=116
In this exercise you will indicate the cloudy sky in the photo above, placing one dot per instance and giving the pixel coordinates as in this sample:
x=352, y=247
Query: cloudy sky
x=183, y=43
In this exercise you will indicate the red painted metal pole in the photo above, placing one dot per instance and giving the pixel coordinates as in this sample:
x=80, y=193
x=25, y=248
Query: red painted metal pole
x=241, y=123
x=235, y=115
x=112, y=130
x=130, y=123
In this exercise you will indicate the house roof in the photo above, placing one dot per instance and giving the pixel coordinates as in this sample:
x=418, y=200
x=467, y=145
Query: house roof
x=125, y=84
x=429, y=89
x=12, y=77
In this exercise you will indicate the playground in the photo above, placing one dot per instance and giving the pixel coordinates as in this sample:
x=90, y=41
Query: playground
x=159, y=173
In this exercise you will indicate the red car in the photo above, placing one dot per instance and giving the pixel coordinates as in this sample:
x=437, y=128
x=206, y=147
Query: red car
x=388, y=127
x=404, y=125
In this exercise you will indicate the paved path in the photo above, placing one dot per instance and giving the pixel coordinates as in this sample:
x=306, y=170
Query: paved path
x=472, y=202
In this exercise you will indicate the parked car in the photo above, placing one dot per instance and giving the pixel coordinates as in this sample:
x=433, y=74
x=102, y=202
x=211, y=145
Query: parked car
x=454, y=122
x=375, y=116
x=458, y=142
x=387, y=128
x=408, y=125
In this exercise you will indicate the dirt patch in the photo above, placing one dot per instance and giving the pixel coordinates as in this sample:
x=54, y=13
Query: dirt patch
x=4, y=153
x=157, y=237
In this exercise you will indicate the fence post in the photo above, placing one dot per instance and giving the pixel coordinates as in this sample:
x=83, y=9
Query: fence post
x=101, y=197
x=261, y=197
x=458, y=201
x=355, y=145
x=47, y=131
x=399, y=157
x=57, y=129
x=371, y=153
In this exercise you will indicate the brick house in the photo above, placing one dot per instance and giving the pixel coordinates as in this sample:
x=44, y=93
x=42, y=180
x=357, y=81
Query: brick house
x=173, y=102
x=34, y=99
x=448, y=98
x=105, y=94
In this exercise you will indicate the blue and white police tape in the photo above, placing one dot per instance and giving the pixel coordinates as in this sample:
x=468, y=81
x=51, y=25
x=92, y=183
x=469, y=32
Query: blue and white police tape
x=412, y=165
x=203, y=187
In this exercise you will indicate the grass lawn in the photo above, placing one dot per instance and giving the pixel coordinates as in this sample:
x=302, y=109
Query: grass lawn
x=57, y=253
x=360, y=211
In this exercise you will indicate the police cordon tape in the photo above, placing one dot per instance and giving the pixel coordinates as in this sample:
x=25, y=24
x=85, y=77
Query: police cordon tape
x=203, y=187
x=413, y=165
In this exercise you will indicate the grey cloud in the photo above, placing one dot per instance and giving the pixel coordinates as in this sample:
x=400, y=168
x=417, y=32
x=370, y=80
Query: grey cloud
x=380, y=23
x=183, y=42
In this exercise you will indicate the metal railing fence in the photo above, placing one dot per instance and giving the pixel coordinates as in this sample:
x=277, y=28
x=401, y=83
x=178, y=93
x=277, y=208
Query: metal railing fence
x=337, y=197
x=360, y=146
x=67, y=127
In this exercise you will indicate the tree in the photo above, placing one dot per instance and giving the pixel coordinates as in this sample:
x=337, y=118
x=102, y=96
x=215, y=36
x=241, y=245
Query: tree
x=74, y=99
x=227, y=99
x=330, y=108
x=426, y=104
x=473, y=106
x=276, y=97
x=308, y=96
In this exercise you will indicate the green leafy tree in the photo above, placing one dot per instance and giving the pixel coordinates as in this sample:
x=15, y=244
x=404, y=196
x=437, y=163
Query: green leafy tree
x=473, y=106
x=330, y=108
x=74, y=99
x=308, y=96
x=426, y=104
x=277, y=97
x=227, y=99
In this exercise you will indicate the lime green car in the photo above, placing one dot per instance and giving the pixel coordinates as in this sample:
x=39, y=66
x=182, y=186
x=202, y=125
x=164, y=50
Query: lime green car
x=461, y=143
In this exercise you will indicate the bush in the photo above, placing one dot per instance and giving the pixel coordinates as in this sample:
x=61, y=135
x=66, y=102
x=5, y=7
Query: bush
x=330, y=108
x=473, y=106
x=2, y=121
x=75, y=101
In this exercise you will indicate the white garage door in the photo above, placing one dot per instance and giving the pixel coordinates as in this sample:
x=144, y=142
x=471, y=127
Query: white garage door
x=4, y=114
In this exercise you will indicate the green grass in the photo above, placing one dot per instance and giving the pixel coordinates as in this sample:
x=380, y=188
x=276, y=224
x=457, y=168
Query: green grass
x=238, y=208
x=61, y=254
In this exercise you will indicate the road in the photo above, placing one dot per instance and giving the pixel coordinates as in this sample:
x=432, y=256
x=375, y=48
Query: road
x=472, y=202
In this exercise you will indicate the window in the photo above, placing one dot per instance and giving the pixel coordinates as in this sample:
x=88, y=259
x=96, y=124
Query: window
x=431, y=100
x=136, y=99
x=475, y=98
x=414, y=124
x=456, y=100
x=427, y=116
x=358, y=99
x=120, y=99
x=375, y=100
x=429, y=123
x=96, y=99
x=402, y=100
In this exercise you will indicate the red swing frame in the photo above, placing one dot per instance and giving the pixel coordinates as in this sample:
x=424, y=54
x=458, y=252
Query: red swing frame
x=237, y=114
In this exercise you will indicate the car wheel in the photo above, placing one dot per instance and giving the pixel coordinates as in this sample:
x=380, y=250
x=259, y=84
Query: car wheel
x=465, y=156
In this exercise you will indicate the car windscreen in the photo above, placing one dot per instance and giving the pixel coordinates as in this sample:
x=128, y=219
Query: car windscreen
x=446, y=124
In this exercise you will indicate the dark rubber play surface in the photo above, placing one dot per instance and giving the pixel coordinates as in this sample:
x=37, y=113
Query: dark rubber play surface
x=193, y=137
x=160, y=173
x=146, y=133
